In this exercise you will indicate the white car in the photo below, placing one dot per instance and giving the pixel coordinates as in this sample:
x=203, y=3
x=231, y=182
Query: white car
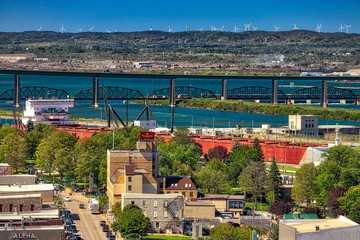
x=67, y=199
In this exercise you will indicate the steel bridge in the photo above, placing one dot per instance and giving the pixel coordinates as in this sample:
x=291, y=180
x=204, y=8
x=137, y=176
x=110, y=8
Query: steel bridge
x=174, y=92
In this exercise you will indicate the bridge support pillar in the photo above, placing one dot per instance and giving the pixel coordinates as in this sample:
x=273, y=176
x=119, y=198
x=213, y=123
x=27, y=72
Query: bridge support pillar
x=342, y=101
x=324, y=97
x=257, y=100
x=357, y=101
x=224, y=89
x=274, y=93
x=16, y=95
x=172, y=102
x=308, y=101
x=95, y=92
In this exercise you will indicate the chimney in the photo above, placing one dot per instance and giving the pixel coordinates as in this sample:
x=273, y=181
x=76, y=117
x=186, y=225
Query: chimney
x=317, y=228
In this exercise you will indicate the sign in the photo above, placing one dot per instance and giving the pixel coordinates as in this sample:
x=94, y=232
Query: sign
x=147, y=135
x=24, y=235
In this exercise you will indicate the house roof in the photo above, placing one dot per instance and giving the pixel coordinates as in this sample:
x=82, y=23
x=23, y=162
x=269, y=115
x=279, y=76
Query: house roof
x=222, y=197
x=180, y=183
x=119, y=171
x=200, y=203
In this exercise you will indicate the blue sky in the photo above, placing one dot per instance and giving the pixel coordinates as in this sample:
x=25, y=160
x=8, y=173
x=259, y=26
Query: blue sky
x=139, y=15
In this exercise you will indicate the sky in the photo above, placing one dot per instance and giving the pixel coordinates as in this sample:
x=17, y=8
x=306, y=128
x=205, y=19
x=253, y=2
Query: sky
x=140, y=15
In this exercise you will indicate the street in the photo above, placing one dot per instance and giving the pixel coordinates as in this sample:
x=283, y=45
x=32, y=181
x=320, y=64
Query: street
x=86, y=223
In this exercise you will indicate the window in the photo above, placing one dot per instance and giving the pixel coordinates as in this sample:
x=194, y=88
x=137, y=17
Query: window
x=165, y=203
x=32, y=207
x=21, y=207
x=155, y=203
x=133, y=202
x=175, y=203
x=157, y=225
x=186, y=185
x=183, y=193
x=236, y=204
x=165, y=213
x=1, y=206
x=129, y=188
x=155, y=214
x=144, y=203
x=191, y=194
x=168, y=192
x=189, y=184
x=129, y=179
x=10, y=208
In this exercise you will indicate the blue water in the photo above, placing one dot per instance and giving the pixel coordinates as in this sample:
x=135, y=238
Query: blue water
x=183, y=117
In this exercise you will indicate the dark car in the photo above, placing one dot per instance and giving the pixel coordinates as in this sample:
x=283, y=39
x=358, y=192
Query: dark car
x=234, y=224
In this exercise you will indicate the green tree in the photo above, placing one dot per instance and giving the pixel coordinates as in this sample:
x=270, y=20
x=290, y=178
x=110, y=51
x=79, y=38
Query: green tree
x=88, y=154
x=238, y=160
x=57, y=152
x=130, y=221
x=13, y=150
x=275, y=182
x=182, y=135
x=213, y=178
x=254, y=179
x=305, y=189
x=226, y=231
x=350, y=203
x=34, y=137
x=259, y=155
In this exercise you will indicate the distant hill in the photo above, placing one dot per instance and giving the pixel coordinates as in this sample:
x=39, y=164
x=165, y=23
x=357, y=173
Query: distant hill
x=298, y=47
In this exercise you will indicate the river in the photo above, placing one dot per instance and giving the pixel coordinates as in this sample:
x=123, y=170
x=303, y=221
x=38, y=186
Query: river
x=183, y=116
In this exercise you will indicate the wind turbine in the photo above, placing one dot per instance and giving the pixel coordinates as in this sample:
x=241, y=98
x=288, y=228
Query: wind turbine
x=40, y=28
x=222, y=28
x=80, y=30
x=62, y=29
x=201, y=29
x=347, y=28
x=213, y=28
x=318, y=28
x=276, y=28
x=255, y=28
x=91, y=29
x=341, y=28
x=236, y=28
x=186, y=28
x=170, y=29
x=247, y=27
x=150, y=29
x=295, y=27
x=108, y=31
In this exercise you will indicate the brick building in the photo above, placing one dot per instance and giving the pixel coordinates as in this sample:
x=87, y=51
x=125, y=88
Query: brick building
x=132, y=171
x=21, y=203
x=177, y=184
x=46, y=191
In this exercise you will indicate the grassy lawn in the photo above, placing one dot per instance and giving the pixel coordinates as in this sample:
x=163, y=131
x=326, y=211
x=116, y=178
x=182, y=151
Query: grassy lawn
x=260, y=206
x=160, y=237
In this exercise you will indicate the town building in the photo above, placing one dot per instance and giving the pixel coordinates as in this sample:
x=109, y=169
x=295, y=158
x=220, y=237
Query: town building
x=318, y=229
x=132, y=171
x=185, y=185
x=45, y=190
x=142, y=64
x=233, y=204
x=17, y=179
x=304, y=124
x=165, y=211
x=199, y=210
x=20, y=203
x=5, y=169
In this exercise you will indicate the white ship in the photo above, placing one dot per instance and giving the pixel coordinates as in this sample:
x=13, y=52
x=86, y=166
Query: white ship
x=48, y=111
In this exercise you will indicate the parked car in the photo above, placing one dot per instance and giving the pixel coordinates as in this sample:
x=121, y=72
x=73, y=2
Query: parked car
x=67, y=199
x=234, y=224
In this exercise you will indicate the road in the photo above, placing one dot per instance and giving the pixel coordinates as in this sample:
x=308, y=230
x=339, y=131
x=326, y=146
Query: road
x=86, y=223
